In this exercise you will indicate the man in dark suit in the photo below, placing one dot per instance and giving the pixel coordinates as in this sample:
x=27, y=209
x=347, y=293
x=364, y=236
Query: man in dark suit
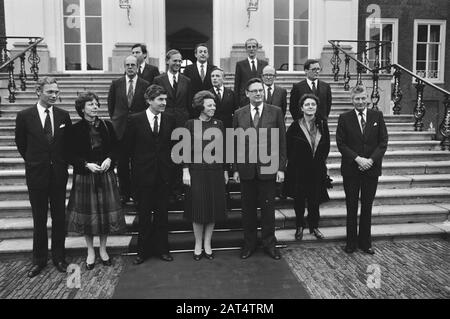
x=273, y=94
x=200, y=72
x=149, y=144
x=178, y=87
x=246, y=70
x=126, y=96
x=145, y=71
x=362, y=139
x=311, y=85
x=258, y=179
x=40, y=136
x=225, y=99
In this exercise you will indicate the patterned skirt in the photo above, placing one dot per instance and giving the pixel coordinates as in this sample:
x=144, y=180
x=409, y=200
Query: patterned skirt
x=94, y=206
x=206, y=197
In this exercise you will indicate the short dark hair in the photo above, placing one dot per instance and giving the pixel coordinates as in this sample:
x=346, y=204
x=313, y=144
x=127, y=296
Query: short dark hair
x=251, y=81
x=81, y=100
x=142, y=46
x=45, y=80
x=200, y=45
x=309, y=62
x=171, y=52
x=199, y=99
x=308, y=96
x=153, y=91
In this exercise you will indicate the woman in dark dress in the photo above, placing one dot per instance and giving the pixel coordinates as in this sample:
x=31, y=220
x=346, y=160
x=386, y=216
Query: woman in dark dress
x=205, y=196
x=94, y=207
x=308, y=145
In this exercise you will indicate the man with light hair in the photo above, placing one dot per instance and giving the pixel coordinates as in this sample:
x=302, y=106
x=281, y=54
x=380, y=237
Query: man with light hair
x=362, y=139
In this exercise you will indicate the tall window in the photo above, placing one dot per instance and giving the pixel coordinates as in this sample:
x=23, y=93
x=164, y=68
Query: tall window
x=383, y=30
x=429, y=49
x=291, y=28
x=83, y=49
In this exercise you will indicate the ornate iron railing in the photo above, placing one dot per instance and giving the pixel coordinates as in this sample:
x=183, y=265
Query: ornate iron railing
x=7, y=62
x=362, y=65
x=419, y=108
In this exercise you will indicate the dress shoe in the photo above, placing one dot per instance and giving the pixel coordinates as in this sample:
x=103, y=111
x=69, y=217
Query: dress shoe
x=166, y=257
x=107, y=263
x=246, y=253
x=273, y=253
x=34, y=271
x=299, y=233
x=349, y=250
x=209, y=256
x=369, y=251
x=197, y=257
x=61, y=266
x=90, y=266
x=316, y=232
x=139, y=260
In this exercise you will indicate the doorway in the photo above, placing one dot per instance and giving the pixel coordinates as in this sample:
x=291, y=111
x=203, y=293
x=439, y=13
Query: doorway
x=189, y=22
x=83, y=40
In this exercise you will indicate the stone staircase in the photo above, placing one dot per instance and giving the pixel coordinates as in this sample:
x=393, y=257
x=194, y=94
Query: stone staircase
x=413, y=197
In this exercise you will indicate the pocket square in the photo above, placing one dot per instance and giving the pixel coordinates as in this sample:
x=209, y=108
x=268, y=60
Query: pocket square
x=62, y=126
x=375, y=124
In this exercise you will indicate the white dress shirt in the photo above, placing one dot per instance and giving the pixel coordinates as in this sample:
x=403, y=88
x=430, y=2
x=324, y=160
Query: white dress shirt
x=151, y=119
x=359, y=117
x=250, y=63
x=199, y=67
x=316, y=82
x=170, y=75
x=266, y=89
x=142, y=67
x=221, y=91
x=43, y=115
x=253, y=111
x=127, y=85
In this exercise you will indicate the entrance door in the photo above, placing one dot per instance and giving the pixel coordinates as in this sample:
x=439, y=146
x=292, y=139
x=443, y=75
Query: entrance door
x=187, y=24
x=83, y=48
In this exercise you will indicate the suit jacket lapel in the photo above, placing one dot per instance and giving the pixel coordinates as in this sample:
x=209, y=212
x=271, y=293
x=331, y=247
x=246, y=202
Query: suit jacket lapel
x=181, y=84
x=37, y=122
x=369, y=122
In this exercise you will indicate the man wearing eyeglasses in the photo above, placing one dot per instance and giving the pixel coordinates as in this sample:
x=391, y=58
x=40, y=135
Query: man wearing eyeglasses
x=311, y=85
x=273, y=94
x=258, y=178
x=246, y=69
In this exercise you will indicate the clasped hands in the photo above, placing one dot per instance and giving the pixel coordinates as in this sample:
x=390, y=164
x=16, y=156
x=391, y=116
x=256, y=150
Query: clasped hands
x=95, y=168
x=364, y=164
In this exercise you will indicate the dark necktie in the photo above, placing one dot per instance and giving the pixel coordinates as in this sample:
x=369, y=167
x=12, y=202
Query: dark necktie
x=202, y=72
x=269, y=95
x=48, y=127
x=218, y=94
x=363, y=122
x=175, y=84
x=140, y=71
x=155, y=126
x=130, y=93
x=314, y=89
x=256, y=118
x=253, y=66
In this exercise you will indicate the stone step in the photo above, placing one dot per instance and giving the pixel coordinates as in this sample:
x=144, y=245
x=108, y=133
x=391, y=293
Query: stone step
x=121, y=244
x=403, y=156
x=9, y=152
x=404, y=145
x=22, y=227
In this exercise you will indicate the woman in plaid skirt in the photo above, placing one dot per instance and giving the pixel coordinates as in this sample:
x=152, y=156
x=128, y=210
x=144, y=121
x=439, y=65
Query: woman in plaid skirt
x=94, y=207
